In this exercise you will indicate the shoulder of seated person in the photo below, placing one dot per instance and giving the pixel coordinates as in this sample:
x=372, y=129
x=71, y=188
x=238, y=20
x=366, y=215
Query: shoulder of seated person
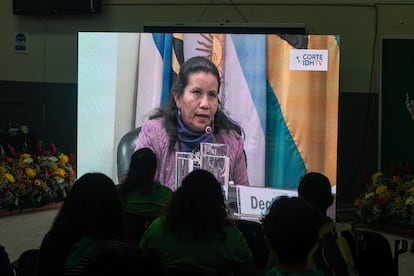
x=343, y=226
x=231, y=227
x=160, y=186
x=153, y=127
x=153, y=123
x=326, y=228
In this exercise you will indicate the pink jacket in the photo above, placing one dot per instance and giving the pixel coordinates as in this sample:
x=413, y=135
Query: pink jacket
x=154, y=136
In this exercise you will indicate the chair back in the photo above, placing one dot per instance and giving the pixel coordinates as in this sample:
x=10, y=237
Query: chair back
x=330, y=255
x=400, y=247
x=254, y=235
x=374, y=254
x=126, y=148
x=26, y=264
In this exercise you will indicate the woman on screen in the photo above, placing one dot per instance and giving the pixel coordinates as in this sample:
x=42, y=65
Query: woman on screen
x=192, y=115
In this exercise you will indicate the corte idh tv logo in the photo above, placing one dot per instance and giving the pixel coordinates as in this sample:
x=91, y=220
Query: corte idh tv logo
x=310, y=59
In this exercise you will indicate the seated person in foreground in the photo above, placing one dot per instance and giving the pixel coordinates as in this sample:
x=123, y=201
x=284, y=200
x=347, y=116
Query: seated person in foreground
x=196, y=232
x=121, y=258
x=193, y=115
x=5, y=265
x=90, y=215
x=139, y=192
x=315, y=188
x=292, y=231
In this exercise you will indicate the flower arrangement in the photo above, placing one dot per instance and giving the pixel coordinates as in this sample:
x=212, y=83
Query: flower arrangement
x=33, y=180
x=388, y=201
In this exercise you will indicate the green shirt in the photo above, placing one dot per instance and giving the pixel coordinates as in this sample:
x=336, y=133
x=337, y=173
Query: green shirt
x=80, y=252
x=148, y=204
x=276, y=271
x=212, y=255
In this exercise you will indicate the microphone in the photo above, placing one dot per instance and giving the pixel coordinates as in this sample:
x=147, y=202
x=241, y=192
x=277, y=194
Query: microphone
x=208, y=129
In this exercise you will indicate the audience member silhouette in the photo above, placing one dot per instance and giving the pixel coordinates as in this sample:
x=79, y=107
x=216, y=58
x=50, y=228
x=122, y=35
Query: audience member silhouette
x=91, y=213
x=120, y=258
x=5, y=265
x=26, y=263
x=315, y=188
x=139, y=192
x=292, y=232
x=196, y=233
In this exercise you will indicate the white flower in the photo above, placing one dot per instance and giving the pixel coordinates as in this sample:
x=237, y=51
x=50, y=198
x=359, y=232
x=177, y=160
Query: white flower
x=369, y=195
x=53, y=158
x=409, y=201
x=59, y=179
x=28, y=160
x=376, y=210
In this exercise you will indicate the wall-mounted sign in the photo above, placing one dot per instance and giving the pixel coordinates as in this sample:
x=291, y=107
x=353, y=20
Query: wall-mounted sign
x=21, y=42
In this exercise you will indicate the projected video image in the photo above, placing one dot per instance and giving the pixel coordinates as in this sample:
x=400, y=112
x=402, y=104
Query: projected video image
x=281, y=89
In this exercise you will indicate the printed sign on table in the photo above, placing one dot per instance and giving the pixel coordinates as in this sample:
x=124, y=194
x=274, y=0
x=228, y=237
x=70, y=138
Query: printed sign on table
x=255, y=201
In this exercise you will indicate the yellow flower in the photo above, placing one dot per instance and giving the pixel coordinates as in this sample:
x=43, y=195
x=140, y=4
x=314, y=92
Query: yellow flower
x=399, y=203
x=44, y=185
x=25, y=156
x=60, y=172
x=381, y=189
x=30, y=172
x=63, y=159
x=411, y=190
x=375, y=176
x=10, y=177
x=27, y=178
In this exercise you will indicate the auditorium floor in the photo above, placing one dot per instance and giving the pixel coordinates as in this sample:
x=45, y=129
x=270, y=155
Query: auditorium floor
x=25, y=231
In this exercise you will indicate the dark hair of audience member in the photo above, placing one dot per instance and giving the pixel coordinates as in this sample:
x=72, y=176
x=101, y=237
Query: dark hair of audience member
x=197, y=208
x=291, y=227
x=141, y=173
x=315, y=188
x=169, y=110
x=6, y=268
x=92, y=208
x=121, y=258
